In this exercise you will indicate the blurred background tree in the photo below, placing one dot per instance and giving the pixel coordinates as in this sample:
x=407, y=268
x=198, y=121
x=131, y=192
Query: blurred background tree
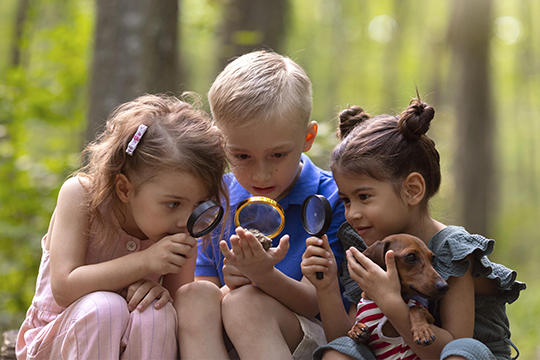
x=64, y=65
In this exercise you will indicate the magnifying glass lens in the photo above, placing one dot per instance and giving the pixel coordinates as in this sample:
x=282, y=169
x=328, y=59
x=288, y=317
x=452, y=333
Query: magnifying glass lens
x=316, y=217
x=204, y=218
x=316, y=209
x=260, y=216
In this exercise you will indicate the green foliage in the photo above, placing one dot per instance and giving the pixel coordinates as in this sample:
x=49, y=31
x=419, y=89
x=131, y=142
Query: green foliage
x=361, y=52
x=42, y=107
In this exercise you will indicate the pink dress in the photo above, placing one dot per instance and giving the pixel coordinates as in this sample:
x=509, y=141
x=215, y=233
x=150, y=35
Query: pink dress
x=98, y=325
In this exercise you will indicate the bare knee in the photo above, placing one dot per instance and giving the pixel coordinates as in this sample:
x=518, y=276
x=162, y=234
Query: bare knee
x=331, y=354
x=194, y=293
x=197, y=304
x=244, y=303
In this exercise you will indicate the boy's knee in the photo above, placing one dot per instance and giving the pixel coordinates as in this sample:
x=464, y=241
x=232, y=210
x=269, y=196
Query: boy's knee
x=197, y=290
x=466, y=348
x=245, y=299
x=192, y=298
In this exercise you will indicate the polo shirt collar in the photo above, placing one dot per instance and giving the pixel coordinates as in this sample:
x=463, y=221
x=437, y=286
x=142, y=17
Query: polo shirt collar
x=307, y=184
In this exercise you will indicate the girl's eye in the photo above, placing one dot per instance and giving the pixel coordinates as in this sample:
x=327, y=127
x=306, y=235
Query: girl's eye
x=173, y=204
x=363, y=197
x=242, y=156
x=279, y=155
x=345, y=200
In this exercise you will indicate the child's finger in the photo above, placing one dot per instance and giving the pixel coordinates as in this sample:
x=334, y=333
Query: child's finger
x=282, y=248
x=326, y=244
x=224, y=247
x=162, y=301
x=247, y=244
x=255, y=245
x=359, y=257
x=391, y=264
x=236, y=247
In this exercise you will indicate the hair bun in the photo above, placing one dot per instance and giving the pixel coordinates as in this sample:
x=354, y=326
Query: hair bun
x=415, y=120
x=349, y=118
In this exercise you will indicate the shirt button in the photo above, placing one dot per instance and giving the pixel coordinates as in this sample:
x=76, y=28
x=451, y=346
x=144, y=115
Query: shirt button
x=131, y=245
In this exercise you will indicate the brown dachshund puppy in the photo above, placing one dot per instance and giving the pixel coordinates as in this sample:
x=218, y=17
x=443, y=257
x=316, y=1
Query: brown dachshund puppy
x=417, y=277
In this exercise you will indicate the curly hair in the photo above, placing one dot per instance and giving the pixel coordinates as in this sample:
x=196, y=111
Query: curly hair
x=179, y=137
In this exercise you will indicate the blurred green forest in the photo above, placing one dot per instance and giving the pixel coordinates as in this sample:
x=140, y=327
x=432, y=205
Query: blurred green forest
x=372, y=53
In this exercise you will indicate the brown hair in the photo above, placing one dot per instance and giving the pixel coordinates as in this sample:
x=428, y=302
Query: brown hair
x=388, y=148
x=179, y=137
x=261, y=86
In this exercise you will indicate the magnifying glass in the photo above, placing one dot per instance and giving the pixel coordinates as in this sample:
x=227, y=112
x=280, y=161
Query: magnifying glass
x=204, y=218
x=316, y=217
x=262, y=214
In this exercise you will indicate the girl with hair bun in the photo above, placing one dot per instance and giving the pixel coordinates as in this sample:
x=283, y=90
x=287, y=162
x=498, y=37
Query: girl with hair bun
x=387, y=169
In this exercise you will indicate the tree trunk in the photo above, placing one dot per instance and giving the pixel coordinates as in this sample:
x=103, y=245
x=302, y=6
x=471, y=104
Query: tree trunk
x=469, y=35
x=252, y=25
x=135, y=52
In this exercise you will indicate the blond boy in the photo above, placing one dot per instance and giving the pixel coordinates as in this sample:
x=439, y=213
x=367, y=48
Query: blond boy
x=262, y=103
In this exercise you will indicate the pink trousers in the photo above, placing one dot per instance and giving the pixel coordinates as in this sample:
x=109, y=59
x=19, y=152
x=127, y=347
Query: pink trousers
x=99, y=326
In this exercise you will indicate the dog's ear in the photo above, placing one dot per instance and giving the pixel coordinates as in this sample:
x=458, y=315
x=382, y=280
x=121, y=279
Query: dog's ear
x=376, y=252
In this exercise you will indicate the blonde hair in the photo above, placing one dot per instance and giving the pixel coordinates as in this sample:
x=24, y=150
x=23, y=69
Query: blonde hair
x=179, y=137
x=261, y=86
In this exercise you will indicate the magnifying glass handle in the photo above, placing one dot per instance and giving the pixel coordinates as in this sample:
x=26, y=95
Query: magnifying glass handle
x=319, y=275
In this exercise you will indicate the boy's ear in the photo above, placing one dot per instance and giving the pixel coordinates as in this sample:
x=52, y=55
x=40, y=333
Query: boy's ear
x=311, y=135
x=415, y=187
x=123, y=188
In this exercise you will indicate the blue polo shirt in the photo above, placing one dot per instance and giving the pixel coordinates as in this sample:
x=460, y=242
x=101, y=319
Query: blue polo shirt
x=312, y=180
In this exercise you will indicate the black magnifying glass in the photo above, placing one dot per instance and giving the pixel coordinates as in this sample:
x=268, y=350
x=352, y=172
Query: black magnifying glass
x=316, y=217
x=204, y=218
x=262, y=214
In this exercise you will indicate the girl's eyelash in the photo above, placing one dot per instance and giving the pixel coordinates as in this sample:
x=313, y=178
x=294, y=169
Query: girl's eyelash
x=173, y=204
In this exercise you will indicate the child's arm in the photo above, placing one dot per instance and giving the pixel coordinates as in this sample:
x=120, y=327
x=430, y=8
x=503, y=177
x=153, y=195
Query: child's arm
x=249, y=257
x=319, y=257
x=68, y=243
x=173, y=282
x=384, y=289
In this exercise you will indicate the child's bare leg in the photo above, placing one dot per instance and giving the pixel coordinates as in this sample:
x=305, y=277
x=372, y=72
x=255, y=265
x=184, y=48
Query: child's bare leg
x=200, y=330
x=335, y=355
x=259, y=326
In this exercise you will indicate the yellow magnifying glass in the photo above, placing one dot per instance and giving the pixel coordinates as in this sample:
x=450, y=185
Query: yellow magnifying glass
x=262, y=214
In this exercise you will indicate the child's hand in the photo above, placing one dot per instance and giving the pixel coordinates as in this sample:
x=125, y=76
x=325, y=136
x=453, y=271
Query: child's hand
x=319, y=257
x=233, y=277
x=372, y=279
x=248, y=255
x=171, y=253
x=140, y=295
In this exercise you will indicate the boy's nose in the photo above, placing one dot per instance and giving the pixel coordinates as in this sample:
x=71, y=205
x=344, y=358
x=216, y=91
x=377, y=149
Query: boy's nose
x=262, y=173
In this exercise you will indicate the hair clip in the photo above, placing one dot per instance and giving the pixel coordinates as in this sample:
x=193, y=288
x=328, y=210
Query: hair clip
x=136, y=138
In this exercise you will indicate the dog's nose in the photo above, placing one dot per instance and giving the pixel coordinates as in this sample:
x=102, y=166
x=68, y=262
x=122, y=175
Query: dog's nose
x=441, y=286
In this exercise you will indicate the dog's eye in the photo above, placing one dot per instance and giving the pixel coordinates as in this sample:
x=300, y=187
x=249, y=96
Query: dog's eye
x=411, y=258
x=433, y=259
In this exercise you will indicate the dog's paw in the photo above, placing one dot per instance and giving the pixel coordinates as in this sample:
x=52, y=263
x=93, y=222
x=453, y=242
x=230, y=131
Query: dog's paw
x=423, y=335
x=359, y=332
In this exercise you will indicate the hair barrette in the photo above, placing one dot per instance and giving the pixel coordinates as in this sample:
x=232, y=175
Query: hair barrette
x=135, y=140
